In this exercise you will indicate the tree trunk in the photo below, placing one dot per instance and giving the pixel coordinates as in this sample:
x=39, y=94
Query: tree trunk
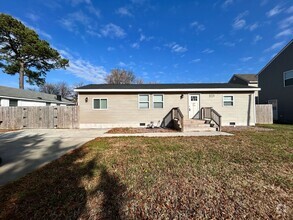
x=21, y=76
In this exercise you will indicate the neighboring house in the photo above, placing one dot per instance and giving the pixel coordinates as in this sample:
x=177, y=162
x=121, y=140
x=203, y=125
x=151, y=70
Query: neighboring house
x=276, y=83
x=246, y=79
x=19, y=97
x=104, y=105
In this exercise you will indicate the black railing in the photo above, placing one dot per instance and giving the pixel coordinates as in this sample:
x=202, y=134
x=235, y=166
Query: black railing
x=210, y=113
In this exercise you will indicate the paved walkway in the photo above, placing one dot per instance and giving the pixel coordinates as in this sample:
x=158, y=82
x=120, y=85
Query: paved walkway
x=26, y=150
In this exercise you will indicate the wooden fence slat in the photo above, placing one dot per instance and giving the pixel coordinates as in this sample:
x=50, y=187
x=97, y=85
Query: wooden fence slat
x=39, y=117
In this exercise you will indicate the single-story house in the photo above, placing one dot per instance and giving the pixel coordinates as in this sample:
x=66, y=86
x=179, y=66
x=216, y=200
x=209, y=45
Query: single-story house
x=276, y=82
x=125, y=105
x=19, y=97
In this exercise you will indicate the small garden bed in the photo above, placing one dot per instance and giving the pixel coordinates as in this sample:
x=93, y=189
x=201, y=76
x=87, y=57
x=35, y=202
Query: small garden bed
x=139, y=130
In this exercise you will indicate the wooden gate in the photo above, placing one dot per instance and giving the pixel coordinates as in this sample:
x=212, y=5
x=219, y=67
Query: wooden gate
x=264, y=114
x=39, y=117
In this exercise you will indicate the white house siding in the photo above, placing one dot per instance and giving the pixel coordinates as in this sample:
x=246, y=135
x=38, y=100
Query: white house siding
x=123, y=109
x=242, y=112
x=4, y=102
x=30, y=103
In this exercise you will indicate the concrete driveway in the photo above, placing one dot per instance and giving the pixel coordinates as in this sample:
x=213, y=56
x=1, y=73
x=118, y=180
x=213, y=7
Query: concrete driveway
x=26, y=150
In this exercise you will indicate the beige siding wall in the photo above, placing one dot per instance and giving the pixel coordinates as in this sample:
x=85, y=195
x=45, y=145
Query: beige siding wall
x=123, y=109
x=242, y=112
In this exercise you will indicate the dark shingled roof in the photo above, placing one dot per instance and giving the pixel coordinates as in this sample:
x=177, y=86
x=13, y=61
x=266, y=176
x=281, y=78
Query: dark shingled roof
x=27, y=94
x=247, y=77
x=166, y=86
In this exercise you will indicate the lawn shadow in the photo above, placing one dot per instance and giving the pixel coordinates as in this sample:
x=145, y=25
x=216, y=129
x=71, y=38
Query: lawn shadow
x=113, y=191
x=57, y=190
x=23, y=153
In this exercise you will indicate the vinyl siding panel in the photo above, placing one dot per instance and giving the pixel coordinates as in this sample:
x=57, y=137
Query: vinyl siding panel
x=271, y=82
x=123, y=108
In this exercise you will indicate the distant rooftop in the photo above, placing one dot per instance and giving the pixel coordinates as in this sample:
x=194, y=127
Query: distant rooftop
x=247, y=77
x=30, y=95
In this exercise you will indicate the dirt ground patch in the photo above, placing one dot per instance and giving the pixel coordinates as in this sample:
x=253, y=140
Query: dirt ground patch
x=139, y=130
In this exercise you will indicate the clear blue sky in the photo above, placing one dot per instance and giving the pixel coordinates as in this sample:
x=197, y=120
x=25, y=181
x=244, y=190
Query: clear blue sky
x=163, y=41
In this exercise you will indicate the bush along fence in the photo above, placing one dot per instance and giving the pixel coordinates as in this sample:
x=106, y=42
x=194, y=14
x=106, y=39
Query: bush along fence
x=39, y=117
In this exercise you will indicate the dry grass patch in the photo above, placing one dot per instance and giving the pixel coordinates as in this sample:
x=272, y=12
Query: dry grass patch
x=248, y=175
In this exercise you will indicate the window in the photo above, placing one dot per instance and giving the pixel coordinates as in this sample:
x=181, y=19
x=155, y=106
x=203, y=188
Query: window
x=100, y=103
x=228, y=100
x=158, y=101
x=193, y=98
x=143, y=101
x=288, y=78
x=13, y=102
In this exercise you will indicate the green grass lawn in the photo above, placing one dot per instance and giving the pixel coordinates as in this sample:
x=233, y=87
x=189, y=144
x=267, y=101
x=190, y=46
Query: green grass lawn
x=248, y=175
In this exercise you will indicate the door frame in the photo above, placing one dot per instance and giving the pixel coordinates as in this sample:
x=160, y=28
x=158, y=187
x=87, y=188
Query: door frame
x=188, y=103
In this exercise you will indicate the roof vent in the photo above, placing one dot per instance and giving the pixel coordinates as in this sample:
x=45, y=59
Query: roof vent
x=59, y=97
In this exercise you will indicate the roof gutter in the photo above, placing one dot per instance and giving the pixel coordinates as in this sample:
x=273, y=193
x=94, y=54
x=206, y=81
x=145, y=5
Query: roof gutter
x=171, y=90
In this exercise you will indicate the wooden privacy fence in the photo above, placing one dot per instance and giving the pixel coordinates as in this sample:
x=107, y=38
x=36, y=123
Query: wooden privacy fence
x=264, y=114
x=39, y=117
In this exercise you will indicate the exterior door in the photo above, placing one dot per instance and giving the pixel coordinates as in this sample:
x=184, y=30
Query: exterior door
x=193, y=105
x=274, y=103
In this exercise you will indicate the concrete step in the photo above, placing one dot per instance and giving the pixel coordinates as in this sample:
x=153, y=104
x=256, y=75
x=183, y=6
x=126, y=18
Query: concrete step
x=193, y=121
x=197, y=125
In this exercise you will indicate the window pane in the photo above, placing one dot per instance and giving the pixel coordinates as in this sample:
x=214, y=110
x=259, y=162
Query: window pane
x=143, y=98
x=228, y=98
x=103, y=103
x=143, y=105
x=158, y=104
x=289, y=82
x=228, y=103
x=12, y=102
x=193, y=98
x=96, y=103
x=289, y=75
x=158, y=98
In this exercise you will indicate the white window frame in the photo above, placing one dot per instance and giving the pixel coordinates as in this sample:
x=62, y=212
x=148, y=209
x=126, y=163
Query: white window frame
x=284, y=74
x=138, y=102
x=99, y=109
x=158, y=102
x=233, y=99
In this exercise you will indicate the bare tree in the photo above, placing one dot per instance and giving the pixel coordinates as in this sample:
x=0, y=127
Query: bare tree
x=60, y=88
x=121, y=76
x=75, y=94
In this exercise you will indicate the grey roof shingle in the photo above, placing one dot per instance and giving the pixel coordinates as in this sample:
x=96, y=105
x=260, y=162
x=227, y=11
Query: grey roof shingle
x=165, y=86
x=27, y=94
x=247, y=77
